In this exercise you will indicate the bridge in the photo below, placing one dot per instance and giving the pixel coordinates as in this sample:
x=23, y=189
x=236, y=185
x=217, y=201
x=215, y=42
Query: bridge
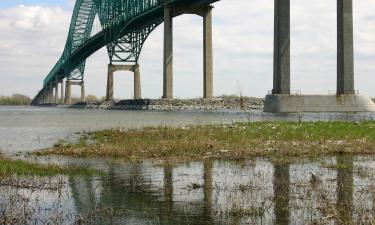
x=126, y=25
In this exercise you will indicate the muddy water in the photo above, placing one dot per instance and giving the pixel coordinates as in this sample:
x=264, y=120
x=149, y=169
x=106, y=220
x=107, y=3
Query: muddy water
x=334, y=190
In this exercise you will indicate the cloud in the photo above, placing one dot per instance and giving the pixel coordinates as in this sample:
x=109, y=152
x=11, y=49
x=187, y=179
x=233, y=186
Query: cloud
x=32, y=39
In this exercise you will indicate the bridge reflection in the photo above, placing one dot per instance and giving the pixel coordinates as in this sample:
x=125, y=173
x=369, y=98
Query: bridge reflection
x=337, y=190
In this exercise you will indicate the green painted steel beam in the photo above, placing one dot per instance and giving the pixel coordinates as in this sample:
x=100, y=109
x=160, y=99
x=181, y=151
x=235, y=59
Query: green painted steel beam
x=125, y=24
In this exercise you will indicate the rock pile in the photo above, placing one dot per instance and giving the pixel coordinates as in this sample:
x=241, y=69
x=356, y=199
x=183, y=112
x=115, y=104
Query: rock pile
x=189, y=104
x=238, y=104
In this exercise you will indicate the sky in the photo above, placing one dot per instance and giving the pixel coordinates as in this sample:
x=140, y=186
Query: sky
x=33, y=35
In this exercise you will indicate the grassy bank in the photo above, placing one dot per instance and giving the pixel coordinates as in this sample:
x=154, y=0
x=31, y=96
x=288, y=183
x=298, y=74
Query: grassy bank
x=242, y=140
x=10, y=167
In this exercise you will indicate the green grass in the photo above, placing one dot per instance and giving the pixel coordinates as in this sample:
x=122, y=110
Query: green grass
x=10, y=167
x=241, y=140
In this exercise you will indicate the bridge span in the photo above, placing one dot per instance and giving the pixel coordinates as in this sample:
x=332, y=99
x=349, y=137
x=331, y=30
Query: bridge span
x=126, y=25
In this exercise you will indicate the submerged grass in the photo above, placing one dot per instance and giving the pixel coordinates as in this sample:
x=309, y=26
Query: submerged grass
x=239, y=140
x=9, y=167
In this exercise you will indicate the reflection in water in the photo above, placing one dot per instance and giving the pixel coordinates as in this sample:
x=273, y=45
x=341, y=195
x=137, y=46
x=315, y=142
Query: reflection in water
x=335, y=190
x=281, y=192
x=344, y=189
x=168, y=190
x=207, y=189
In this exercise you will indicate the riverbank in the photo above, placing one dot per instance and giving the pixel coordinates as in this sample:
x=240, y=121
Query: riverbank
x=231, y=103
x=234, y=141
x=219, y=104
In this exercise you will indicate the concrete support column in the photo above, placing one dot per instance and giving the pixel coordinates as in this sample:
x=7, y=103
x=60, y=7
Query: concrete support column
x=83, y=94
x=62, y=92
x=51, y=97
x=43, y=97
x=68, y=92
x=281, y=71
x=168, y=54
x=345, y=49
x=137, y=82
x=109, y=95
x=46, y=98
x=57, y=93
x=207, y=54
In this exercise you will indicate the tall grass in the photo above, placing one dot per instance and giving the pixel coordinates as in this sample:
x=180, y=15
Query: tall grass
x=10, y=167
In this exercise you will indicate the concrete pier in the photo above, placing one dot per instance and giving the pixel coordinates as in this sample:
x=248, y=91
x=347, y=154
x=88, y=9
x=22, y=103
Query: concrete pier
x=345, y=50
x=57, y=93
x=137, y=79
x=281, y=70
x=83, y=94
x=207, y=54
x=51, y=97
x=137, y=82
x=68, y=92
x=62, y=92
x=44, y=97
x=168, y=54
x=109, y=95
x=346, y=100
x=318, y=103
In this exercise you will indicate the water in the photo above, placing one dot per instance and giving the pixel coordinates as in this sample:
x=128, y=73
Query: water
x=24, y=129
x=332, y=190
x=326, y=190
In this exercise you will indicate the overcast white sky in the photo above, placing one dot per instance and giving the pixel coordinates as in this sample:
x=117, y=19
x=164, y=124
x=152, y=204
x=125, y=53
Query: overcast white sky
x=33, y=34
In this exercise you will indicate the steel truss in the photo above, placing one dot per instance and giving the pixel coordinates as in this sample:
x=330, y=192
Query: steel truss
x=125, y=24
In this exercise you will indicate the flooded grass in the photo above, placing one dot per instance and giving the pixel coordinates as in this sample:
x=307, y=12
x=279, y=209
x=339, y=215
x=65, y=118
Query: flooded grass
x=247, y=173
x=233, y=141
x=9, y=167
x=27, y=189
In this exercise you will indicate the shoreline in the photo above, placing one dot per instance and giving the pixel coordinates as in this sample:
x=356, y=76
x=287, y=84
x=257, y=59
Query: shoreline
x=236, y=104
x=237, y=141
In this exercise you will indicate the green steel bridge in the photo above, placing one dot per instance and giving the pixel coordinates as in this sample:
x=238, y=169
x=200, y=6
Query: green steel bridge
x=126, y=24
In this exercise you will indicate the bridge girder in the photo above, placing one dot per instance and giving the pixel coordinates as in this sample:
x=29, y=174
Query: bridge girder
x=126, y=24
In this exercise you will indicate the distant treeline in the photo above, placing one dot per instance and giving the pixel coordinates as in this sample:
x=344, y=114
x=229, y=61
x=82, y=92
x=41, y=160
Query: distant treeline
x=16, y=99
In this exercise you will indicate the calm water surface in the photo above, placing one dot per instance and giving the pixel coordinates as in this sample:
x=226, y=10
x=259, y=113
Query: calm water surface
x=329, y=190
x=333, y=190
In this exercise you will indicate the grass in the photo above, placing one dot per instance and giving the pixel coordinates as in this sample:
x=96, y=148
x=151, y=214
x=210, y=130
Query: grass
x=10, y=167
x=236, y=141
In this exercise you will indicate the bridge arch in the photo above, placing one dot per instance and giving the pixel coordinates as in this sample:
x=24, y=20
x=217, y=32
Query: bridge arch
x=126, y=25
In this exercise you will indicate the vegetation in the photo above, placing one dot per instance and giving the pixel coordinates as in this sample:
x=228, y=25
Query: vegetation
x=16, y=99
x=238, y=141
x=92, y=99
x=233, y=97
x=10, y=167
